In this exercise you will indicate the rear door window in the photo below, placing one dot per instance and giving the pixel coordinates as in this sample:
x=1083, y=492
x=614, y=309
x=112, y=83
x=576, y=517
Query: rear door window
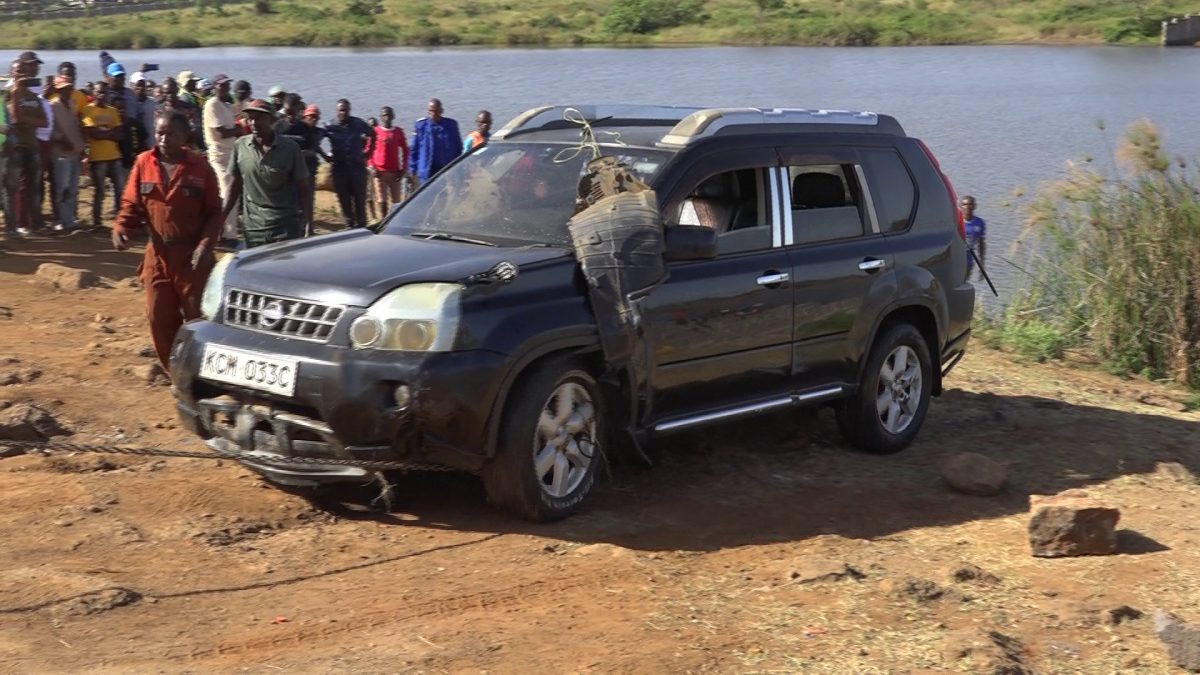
x=892, y=188
x=826, y=202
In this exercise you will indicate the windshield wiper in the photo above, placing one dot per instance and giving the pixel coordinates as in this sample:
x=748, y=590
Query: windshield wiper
x=446, y=236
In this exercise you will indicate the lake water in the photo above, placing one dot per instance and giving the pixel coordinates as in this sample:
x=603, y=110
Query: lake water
x=1000, y=118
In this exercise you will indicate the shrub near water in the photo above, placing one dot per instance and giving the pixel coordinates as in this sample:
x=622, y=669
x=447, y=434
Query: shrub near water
x=1119, y=260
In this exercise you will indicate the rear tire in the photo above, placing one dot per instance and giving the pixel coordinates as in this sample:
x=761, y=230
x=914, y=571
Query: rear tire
x=886, y=414
x=549, y=448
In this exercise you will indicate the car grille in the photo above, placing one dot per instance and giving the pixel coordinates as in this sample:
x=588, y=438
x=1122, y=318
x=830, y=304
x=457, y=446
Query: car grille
x=276, y=315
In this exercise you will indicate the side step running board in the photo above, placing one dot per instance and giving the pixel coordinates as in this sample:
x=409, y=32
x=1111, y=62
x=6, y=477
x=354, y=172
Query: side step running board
x=748, y=410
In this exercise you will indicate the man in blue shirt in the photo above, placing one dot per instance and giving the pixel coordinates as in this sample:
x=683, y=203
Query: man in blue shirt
x=436, y=142
x=976, y=231
x=351, y=142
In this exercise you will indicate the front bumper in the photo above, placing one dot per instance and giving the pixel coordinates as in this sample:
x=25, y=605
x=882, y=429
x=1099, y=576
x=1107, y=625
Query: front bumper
x=344, y=405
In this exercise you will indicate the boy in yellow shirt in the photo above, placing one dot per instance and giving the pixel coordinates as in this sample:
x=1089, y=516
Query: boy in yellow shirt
x=102, y=127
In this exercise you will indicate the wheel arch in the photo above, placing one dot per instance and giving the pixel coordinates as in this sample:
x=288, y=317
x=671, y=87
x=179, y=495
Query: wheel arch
x=583, y=344
x=921, y=317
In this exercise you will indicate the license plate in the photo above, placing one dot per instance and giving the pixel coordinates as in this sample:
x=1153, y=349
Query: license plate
x=250, y=369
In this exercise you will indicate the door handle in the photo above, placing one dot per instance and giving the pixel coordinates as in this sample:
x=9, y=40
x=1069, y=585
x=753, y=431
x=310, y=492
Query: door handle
x=773, y=278
x=872, y=265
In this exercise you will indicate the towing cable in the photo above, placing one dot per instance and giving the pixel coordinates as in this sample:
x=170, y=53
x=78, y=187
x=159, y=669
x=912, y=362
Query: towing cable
x=49, y=447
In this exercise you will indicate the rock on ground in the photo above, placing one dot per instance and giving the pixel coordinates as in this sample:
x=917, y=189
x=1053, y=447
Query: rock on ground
x=66, y=278
x=1071, y=524
x=811, y=571
x=973, y=474
x=1182, y=640
x=23, y=422
x=986, y=652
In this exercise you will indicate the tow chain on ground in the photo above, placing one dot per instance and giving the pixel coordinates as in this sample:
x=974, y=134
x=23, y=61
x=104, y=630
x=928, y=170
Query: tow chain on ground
x=48, y=447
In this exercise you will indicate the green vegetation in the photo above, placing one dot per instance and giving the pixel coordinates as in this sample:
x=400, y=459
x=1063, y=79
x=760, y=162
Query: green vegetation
x=379, y=23
x=1117, y=265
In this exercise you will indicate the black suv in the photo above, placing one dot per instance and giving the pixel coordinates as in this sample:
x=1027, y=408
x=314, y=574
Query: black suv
x=808, y=256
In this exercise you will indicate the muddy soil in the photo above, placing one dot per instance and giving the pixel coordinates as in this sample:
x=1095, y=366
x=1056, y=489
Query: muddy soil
x=761, y=547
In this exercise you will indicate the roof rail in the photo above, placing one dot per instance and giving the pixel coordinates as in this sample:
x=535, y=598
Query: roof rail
x=558, y=116
x=705, y=123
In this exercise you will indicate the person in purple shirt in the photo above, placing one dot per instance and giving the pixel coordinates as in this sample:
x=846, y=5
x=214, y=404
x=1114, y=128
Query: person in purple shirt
x=436, y=142
x=976, y=231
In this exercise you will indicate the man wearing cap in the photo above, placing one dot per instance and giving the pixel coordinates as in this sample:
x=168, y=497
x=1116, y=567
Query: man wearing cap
x=66, y=151
x=220, y=133
x=269, y=179
x=26, y=117
x=174, y=193
x=125, y=101
x=187, y=81
x=277, y=95
x=436, y=142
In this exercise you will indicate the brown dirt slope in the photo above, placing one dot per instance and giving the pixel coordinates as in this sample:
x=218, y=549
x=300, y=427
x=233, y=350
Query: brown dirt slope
x=762, y=547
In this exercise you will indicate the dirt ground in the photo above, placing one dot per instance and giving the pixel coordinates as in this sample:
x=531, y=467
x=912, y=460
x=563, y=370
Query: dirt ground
x=761, y=547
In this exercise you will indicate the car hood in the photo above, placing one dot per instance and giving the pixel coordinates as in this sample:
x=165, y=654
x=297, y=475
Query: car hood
x=357, y=267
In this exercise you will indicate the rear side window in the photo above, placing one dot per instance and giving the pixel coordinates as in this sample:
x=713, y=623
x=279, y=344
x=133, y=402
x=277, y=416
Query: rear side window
x=824, y=202
x=892, y=188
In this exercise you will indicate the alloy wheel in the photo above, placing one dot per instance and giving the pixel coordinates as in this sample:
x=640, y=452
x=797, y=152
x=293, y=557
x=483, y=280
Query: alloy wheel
x=564, y=444
x=899, y=394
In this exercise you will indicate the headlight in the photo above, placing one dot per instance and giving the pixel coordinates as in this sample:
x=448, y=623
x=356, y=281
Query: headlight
x=413, y=318
x=214, y=288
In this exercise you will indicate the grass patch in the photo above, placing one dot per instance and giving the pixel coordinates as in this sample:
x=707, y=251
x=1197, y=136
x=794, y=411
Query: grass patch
x=563, y=22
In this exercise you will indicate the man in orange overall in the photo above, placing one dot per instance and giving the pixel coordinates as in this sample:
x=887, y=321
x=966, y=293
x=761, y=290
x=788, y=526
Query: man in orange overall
x=175, y=193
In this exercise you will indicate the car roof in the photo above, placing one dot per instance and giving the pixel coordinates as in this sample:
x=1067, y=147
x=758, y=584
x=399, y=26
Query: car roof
x=675, y=127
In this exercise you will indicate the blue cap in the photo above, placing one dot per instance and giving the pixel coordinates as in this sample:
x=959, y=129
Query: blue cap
x=115, y=70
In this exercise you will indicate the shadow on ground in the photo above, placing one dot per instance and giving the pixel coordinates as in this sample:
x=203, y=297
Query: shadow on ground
x=785, y=478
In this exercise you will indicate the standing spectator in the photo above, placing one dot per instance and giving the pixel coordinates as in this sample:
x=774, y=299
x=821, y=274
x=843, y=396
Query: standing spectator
x=270, y=180
x=173, y=102
x=436, y=142
x=146, y=111
x=3, y=162
x=483, y=131
x=976, y=231
x=370, y=197
x=102, y=129
x=347, y=135
x=242, y=91
x=125, y=101
x=204, y=91
x=389, y=160
x=66, y=154
x=66, y=91
x=297, y=126
x=187, y=82
x=35, y=218
x=220, y=134
x=174, y=193
x=26, y=117
x=277, y=95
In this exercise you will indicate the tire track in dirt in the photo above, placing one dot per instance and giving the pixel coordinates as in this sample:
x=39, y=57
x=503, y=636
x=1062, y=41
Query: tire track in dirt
x=403, y=609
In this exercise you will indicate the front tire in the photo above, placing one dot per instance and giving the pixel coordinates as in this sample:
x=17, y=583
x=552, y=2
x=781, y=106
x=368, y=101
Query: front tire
x=549, y=448
x=886, y=413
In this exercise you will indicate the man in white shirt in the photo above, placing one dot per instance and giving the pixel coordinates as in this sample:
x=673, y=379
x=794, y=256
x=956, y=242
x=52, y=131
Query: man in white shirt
x=220, y=134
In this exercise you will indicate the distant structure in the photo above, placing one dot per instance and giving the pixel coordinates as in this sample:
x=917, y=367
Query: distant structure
x=1181, y=32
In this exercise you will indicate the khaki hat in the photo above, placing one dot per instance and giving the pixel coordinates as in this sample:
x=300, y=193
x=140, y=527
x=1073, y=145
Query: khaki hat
x=185, y=77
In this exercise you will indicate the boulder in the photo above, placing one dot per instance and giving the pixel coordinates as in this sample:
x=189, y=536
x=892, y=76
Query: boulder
x=1072, y=524
x=67, y=278
x=24, y=422
x=1182, y=640
x=974, y=474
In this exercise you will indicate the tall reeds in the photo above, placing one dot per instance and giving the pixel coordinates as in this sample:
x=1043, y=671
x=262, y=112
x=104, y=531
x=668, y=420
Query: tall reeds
x=1118, y=260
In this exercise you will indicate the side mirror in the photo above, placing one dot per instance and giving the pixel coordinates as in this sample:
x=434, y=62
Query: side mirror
x=690, y=242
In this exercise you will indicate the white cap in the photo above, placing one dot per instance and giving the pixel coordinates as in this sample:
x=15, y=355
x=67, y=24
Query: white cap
x=136, y=77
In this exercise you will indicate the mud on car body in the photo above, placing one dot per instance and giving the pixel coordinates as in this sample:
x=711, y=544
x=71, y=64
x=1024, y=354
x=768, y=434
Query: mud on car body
x=806, y=257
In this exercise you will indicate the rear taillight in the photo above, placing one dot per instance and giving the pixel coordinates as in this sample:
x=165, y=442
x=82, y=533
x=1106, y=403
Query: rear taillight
x=962, y=227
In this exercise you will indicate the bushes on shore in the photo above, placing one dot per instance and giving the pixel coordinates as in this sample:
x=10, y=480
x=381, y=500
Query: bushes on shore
x=1118, y=262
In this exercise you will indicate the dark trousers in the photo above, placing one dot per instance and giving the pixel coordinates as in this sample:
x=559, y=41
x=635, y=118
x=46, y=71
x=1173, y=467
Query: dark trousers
x=100, y=171
x=351, y=188
x=23, y=175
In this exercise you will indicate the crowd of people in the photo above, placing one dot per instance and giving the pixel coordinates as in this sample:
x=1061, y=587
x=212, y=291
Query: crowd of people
x=54, y=131
x=198, y=164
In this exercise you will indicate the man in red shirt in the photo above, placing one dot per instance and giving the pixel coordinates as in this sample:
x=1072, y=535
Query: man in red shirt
x=175, y=193
x=389, y=160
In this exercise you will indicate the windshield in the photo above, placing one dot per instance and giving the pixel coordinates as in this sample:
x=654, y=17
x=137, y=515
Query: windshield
x=510, y=194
